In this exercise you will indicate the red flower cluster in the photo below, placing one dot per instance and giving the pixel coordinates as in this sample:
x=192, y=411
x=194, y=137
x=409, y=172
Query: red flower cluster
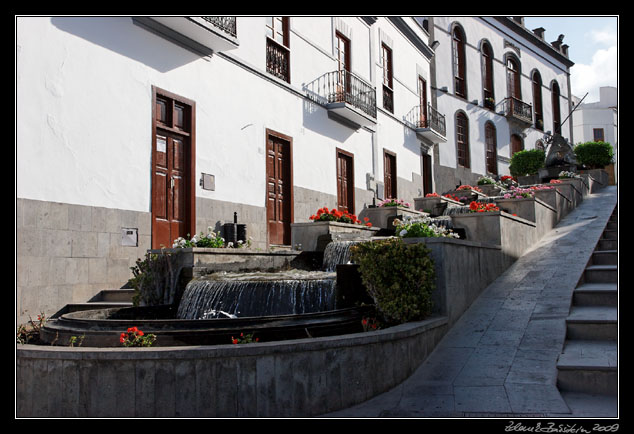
x=451, y=196
x=468, y=187
x=555, y=181
x=132, y=330
x=431, y=195
x=507, y=177
x=482, y=207
x=136, y=338
x=324, y=214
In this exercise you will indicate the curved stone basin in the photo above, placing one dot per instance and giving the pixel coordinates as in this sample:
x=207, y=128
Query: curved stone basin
x=102, y=327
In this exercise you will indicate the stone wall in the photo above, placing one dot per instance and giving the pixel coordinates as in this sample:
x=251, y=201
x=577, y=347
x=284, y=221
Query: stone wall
x=298, y=378
x=67, y=253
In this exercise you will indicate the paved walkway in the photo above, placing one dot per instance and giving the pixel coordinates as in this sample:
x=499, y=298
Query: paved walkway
x=499, y=360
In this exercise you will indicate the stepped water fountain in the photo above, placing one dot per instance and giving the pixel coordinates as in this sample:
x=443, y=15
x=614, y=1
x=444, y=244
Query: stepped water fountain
x=276, y=305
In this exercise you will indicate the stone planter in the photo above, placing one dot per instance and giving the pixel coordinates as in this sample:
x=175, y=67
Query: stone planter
x=435, y=206
x=490, y=189
x=471, y=195
x=381, y=217
x=228, y=259
x=498, y=228
x=575, y=191
x=529, y=179
x=555, y=199
x=313, y=236
x=463, y=270
x=532, y=209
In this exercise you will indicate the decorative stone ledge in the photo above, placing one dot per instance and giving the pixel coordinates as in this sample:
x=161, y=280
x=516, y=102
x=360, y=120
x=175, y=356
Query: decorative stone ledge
x=313, y=236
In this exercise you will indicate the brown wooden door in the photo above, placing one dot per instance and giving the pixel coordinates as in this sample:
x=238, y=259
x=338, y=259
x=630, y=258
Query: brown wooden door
x=169, y=192
x=427, y=178
x=422, y=95
x=389, y=169
x=279, y=202
x=516, y=144
x=173, y=157
x=491, y=148
x=342, y=52
x=345, y=182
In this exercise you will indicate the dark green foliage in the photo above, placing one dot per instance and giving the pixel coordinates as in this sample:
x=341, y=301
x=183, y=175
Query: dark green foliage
x=399, y=277
x=527, y=162
x=154, y=280
x=594, y=155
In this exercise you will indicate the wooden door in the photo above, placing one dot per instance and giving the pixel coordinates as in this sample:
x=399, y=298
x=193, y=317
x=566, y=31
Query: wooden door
x=279, y=201
x=173, y=159
x=169, y=192
x=389, y=175
x=517, y=144
x=491, y=148
x=345, y=181
x=422, y=95
x=427, y=175
x=342, y=52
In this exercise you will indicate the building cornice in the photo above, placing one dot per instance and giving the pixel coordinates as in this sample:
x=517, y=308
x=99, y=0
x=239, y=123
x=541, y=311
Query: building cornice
x=531, y=37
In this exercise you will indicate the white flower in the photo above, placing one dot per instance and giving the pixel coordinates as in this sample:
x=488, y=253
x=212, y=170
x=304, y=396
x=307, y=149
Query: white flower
x=230, y=244
x=403, y=233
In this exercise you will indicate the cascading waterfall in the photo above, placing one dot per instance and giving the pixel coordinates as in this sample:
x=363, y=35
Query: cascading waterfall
x=230, y=295
x=337, y=252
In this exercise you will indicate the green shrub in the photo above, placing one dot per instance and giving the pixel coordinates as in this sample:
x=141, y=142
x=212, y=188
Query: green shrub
x=399, y=277
x=594, y=155
x=154, y=279
x=527, y=162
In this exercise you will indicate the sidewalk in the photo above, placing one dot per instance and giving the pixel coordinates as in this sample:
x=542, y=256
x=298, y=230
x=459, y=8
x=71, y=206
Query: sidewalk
x=499, y=360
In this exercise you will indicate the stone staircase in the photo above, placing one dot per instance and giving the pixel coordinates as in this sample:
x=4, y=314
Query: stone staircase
x=588, y=363
x=106, y=298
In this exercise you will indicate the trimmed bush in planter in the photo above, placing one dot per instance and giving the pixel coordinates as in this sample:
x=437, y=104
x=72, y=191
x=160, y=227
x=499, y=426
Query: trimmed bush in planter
x=594, y=155
x=527, y=162
x=399, y=277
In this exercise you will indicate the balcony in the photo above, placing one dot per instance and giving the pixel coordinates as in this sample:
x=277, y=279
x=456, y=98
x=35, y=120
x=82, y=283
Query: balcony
x=203, y=34
x=428, y=123
x=278, y=60
x=346, y=96
x=516, y=110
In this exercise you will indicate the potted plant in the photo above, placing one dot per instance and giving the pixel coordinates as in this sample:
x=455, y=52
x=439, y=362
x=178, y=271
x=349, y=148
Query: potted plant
x=526, y=164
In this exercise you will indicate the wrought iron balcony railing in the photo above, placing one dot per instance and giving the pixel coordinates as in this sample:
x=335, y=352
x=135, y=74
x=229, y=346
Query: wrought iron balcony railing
x=344, y=86
x=516, y=109
x=278, y=60
x=427, y=117
x=226, y=24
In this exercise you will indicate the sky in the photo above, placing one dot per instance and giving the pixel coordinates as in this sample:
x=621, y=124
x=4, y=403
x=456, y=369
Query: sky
x=592, y=45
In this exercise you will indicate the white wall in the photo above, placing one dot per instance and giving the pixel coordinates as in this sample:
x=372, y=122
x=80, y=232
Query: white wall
x=84, y=96
x=476, y=30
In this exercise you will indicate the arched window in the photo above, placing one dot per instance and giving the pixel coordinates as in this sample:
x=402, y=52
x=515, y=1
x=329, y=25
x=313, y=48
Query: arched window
x=487, y=75
x=462, y=139
x=556, y=109
x=491, y=148
x=459, y=71
x=513, y=78
x=537, y=101
x=517, y=144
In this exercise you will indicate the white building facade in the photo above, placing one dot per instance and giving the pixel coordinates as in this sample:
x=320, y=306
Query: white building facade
x=597, y=121
x=502, y=87
x=134, y=131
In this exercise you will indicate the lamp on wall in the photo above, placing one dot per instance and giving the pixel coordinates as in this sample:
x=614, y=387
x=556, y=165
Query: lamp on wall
x=435, y=45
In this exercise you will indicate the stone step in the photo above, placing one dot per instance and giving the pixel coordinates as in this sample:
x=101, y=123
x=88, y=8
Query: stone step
x=76, y=307
x=613, y=224
x=605, y=257
x=116, y=295
x=605, y=244
x=610, y=234
x=592, y=323
x=588, y=367
x=601, y=274
x=596, y=294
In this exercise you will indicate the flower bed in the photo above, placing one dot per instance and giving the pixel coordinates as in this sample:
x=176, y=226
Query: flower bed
x=381, y=217
x=421, y=227
x=434, y=204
